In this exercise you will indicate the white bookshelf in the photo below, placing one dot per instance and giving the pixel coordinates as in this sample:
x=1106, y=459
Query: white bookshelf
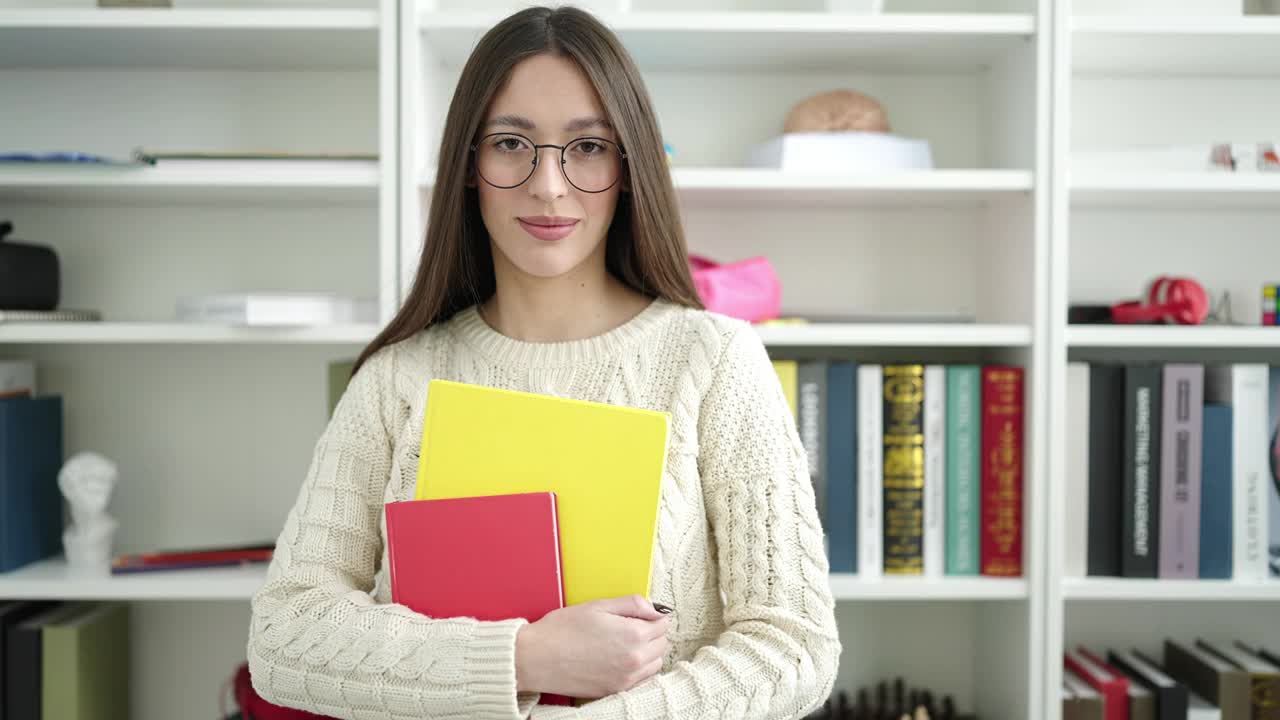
x=1173, y=336
x=53, y=579
x=967, y=238
x=198, y=181
x=159, y=333
x=894, y=335
x=210, y=425
x=1175, y=190
x=1116, y=229
x=242, y=38
x=1146, y=591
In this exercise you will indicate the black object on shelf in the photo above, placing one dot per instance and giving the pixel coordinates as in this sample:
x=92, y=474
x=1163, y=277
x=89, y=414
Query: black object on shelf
x=28, y=274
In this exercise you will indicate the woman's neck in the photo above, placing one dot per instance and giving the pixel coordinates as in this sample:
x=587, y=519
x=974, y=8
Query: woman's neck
x=560, y=309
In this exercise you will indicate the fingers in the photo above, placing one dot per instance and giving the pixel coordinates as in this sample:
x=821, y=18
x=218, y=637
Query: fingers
x=632, y=606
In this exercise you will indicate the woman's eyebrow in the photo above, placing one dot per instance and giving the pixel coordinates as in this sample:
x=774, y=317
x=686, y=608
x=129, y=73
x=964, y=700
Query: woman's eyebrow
x=523, y=123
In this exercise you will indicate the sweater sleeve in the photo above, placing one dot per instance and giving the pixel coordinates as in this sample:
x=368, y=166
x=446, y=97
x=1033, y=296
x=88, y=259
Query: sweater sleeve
x=318, y=641
x=778, y=655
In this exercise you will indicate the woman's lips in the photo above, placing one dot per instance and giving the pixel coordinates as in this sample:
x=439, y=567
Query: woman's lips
x=548, y=232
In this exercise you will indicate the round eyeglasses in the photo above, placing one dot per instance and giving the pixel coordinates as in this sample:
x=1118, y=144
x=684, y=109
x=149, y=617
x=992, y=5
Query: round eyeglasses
x=507, y=160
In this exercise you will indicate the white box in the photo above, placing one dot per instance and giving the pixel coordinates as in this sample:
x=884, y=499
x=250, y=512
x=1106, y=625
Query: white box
x=277, y=309
x=842, y=152
x=1161, y=8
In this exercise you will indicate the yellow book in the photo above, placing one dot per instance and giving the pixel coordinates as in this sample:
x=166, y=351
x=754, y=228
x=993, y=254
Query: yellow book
x=604, y=462
x=788, y=375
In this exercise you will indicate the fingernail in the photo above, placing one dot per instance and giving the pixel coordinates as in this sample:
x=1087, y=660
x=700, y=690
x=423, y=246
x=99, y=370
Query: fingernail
x=662, y=608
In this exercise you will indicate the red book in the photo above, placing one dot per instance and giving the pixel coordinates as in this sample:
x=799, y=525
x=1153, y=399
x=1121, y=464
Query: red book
x=1002, y=421
x=1112, y=685
x=495, y=557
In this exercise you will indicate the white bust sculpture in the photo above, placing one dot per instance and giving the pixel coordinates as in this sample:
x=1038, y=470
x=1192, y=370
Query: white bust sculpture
x=86, y=481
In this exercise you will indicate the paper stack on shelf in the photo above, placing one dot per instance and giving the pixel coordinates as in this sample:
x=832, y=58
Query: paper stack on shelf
x=277, y=308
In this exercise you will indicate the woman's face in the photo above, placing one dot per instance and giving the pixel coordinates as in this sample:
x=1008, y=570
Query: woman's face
x=546, y=227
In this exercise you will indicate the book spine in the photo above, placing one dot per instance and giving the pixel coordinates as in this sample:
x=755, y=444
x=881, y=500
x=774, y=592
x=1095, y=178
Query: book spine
x=1215, y=495
x=1076, y=492
x=1138, y=557
x=935, y=469
x=903, y=469
x=787, y=371
x=964, y=406
x=1250, y=462
x=1181, y=434
x=1273, y=452
x=842, y=454
x=1106, y=391
x=1002, y=451
x=811, y=377
x=870, y=472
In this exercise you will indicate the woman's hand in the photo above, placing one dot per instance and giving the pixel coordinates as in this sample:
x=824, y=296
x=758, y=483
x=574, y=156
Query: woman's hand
x=592, y=649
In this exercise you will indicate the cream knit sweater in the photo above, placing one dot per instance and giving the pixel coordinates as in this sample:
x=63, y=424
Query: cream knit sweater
x=739, y=555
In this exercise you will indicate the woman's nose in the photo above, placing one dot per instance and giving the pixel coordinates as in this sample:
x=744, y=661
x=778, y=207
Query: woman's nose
x=548, y=181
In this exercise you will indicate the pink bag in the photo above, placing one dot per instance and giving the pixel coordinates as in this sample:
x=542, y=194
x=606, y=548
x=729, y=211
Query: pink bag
x=747, y=289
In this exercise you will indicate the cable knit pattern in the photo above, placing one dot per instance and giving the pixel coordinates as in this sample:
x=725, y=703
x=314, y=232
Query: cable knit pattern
x=739, y=553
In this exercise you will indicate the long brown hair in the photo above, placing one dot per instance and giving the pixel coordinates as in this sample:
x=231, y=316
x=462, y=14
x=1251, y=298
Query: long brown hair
x=645, y=246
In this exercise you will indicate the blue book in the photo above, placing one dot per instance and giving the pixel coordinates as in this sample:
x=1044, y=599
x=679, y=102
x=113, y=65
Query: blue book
x=841, y=466
x=30, y=458
x=1215, y=493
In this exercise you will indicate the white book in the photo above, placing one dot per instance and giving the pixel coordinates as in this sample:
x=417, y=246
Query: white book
x=1250, y=423
x=870, y=478
x=277, y=308
x=935, y=470
x=1076, y=490
x=1244, y=386
x=16, y=376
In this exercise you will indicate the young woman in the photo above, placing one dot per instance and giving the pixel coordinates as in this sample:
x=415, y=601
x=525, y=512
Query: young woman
x=554, y=262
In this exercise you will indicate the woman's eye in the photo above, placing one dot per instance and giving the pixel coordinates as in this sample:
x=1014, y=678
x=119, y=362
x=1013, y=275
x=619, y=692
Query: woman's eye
x=589, y=148
x=509, y=144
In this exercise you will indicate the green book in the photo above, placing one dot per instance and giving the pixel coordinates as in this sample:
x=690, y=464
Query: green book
x=85, y=664
x=963, y=449
x=339, y=375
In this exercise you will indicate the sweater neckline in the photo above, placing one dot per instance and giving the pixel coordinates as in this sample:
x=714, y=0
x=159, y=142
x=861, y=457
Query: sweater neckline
x=475, y=331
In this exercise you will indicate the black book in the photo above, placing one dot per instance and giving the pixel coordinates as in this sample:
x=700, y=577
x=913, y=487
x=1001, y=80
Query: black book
x=1171, y=695
x=1106, y=397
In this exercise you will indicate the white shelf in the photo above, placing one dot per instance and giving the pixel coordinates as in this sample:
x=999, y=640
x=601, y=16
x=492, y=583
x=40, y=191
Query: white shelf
x=894, y=335
x=1176, y=190
x=750, y=187
x=770, y=40
x=1145, y=590
x=189, y=38
x=50, y=579
x=1247, y=45
x=851, y=587
x=194, y=181
x=1172, y=336
x=181, y=334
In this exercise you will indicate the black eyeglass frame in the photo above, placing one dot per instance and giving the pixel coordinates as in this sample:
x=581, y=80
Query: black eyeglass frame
x=537, y=155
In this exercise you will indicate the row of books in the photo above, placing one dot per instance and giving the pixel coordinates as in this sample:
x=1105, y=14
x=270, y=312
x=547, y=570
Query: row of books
x=917, y=469
x=66, y=660
x=1172, y=471
x=1198, y=680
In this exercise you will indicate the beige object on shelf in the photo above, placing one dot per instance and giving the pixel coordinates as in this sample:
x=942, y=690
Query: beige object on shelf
x=837, y=111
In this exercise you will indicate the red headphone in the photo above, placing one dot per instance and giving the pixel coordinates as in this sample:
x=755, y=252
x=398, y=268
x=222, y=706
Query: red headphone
x=1179, y=300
